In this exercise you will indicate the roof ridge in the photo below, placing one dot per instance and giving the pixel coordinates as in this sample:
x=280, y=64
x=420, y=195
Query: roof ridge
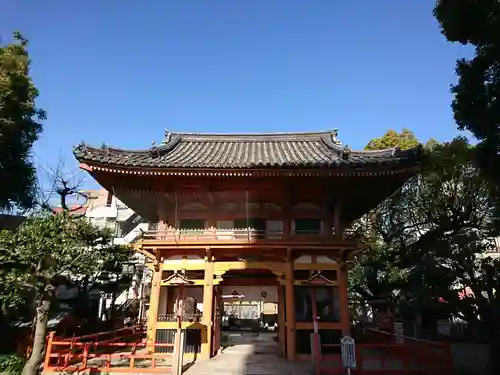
x=316, y=133
x=251, y=137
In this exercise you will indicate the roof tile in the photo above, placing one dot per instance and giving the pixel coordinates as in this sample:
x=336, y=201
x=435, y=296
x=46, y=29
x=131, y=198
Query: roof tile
x=226, y=151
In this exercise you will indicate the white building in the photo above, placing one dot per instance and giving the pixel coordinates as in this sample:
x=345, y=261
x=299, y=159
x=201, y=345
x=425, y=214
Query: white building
x=107, y=211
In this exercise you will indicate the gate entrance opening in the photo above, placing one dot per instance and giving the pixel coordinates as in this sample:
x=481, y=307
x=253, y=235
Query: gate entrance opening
x=250, y=301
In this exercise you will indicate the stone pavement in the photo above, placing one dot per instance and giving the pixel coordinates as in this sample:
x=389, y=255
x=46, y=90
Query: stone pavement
x=248, y=354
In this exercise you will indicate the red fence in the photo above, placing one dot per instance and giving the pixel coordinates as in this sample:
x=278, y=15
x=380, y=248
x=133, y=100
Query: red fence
x=412, y=356
x=120, y=351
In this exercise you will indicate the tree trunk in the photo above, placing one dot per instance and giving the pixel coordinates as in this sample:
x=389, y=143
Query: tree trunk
x=36, y=358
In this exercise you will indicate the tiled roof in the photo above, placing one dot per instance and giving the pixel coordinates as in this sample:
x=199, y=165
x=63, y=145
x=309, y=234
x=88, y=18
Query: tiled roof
x=227, y=151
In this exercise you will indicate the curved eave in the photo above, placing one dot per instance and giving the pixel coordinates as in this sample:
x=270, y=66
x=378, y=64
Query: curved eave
x=190, y=153
x=345, y=160
x=255, y=172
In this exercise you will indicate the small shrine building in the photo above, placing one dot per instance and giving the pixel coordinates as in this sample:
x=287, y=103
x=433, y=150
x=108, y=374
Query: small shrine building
x=239, y=221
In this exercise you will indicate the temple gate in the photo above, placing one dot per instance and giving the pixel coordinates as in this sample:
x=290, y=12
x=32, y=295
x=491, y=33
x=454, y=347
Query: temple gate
x=240, y=211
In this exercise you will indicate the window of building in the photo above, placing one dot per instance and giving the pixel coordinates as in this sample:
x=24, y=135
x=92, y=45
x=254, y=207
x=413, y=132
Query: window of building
x=191, y=226
x=327, y=304
x=111, y=224
x=109, y=199
x=225, y=229
x=257, y=224
x=118, y=230
x=240, y=223
x=274, y=229
x=224, y=224
x=307, y=226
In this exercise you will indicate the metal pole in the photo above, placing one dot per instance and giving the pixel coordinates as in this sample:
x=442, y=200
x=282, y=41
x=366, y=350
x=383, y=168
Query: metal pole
x=316, y=348
x=142, y=297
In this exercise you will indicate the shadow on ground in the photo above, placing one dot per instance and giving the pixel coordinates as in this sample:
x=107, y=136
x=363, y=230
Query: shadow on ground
x=249, y=354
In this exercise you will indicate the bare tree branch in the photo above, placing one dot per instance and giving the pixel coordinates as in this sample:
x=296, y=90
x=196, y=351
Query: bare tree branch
x=62, y=186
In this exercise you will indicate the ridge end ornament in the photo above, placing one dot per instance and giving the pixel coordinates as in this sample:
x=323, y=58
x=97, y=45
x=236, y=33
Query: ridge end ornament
x=167, y=135
x=335, y=135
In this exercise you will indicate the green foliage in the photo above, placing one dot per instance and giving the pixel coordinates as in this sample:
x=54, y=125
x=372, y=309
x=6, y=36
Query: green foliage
x=375, y=276
x=109, y=279
x=20, y=126
x=45, y=251
x=475, y=96
x=49, y=246
x=404, y=140
x=11, y=364
x=453, y=214
x=431, y=238
x=445, y=232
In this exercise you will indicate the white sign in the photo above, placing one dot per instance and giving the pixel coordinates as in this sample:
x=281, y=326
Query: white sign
x=399, y=332
x=348, y=350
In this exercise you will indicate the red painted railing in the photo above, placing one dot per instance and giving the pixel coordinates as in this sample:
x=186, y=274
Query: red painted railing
x=121, y=351
x=413, y=356
x=240, y=235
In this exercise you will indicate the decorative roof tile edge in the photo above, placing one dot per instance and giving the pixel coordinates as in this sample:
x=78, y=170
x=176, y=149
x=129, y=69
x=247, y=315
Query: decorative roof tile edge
x=248, y=173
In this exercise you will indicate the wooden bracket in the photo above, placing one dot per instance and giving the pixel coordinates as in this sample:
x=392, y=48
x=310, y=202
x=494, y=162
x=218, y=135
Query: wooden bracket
x=208, y=255
x=281, y=278
x=157, y=261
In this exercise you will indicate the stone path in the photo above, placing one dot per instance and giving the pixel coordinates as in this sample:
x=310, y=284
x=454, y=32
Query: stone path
x=249, y=355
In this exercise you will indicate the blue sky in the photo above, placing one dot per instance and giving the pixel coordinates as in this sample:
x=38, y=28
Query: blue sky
x=122, y=71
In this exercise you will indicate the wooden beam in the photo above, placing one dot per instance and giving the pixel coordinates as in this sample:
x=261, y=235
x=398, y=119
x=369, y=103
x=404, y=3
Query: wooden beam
x=281, y=319
x=154, y=301
x=208, y=304
x=316, y=266
x=258, y=281
x=344, y=301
